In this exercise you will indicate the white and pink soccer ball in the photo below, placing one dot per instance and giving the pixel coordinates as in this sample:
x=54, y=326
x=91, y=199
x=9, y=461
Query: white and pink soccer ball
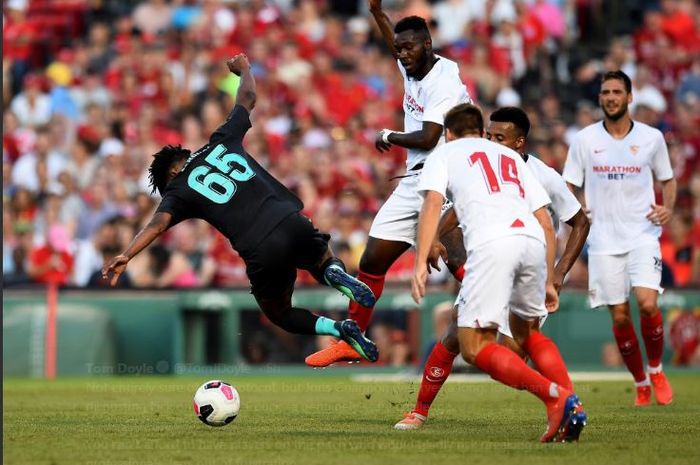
x=216, y=403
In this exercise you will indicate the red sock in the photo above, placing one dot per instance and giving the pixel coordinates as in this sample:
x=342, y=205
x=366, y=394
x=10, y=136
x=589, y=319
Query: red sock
x=459, y=274
x=362, y=314
x=653, y=335
x=506, y=367
x=629, y=349
x=547, y=358
x=437, y=368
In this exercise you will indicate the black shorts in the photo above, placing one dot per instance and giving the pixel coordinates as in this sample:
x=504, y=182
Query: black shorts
x=294, y=244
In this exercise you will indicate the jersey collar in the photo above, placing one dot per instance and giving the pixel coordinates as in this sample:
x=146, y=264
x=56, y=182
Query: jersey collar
x=628, y=131
x=424, y=78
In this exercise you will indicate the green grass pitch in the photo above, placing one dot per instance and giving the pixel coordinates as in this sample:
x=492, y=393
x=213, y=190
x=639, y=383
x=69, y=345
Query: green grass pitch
x=331, y=420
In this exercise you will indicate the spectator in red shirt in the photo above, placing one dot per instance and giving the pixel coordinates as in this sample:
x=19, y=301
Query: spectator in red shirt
x=53, y=262
x=18, y=34
x=677, y=23
x=647, y=37
x=677, y=250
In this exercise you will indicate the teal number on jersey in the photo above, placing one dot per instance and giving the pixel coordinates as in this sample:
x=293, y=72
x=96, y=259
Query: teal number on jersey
x=212, y=185
x=219, y=186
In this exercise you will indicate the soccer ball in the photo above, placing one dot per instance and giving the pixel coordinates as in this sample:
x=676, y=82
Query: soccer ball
x=216, y=403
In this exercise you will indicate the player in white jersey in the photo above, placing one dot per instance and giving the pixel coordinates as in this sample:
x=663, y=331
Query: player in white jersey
x=510, y=243
x=508, y=126
x=616, y=161
x=431, y=87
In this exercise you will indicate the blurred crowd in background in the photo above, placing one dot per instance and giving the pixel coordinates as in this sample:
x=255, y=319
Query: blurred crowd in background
x=92, y=88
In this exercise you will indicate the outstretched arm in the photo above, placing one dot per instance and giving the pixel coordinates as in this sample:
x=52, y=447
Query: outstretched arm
x=552, y=298
x=427, y=227
x=117, y=265
x=579, y=233
x=240, y=66
x=384, y=23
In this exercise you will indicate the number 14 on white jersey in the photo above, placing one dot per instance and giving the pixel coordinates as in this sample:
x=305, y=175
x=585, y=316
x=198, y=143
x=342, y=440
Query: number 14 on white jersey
x=493, y=191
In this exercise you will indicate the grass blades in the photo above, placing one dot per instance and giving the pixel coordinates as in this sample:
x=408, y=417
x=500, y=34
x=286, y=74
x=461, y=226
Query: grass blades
x=327, y=420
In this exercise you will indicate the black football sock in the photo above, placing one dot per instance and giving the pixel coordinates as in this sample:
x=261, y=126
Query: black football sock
x=318, y=273
x=297, y=321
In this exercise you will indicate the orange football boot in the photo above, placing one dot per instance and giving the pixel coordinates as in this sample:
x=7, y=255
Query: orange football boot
x=338, y=351
x=662, y=388
x=643, y=396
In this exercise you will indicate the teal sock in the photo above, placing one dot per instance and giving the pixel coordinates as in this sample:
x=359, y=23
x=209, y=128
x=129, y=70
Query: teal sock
x=326, y=327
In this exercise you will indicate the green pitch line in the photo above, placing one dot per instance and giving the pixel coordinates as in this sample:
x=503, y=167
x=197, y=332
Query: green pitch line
x=321, y=420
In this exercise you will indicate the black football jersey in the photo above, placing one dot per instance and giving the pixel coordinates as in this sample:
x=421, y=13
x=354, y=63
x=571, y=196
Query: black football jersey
x=222, y=184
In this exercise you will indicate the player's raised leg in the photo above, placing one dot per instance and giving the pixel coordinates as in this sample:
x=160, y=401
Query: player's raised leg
x=376, y=260
x=335, y=276
x=378, y=257
x=272, y=269
x=301, y=321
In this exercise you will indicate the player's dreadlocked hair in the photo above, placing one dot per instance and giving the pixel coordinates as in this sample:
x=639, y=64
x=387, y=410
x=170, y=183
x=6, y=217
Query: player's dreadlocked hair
x=160, y=166
x=513, y=115
x=412, y=23
x=463, y=119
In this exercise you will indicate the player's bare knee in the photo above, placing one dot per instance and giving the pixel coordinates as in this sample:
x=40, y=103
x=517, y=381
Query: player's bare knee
x=468, y=355
x=371, y=261
x=647, y=307
x=621, y=317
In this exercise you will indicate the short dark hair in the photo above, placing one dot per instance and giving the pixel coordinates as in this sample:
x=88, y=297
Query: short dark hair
x=464, y=118
x=619, y=75
x=412, y=23
x=513, y=115
x=162, y=161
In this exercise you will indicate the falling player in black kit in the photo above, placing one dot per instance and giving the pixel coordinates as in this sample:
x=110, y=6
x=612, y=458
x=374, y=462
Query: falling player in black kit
x=222, y=184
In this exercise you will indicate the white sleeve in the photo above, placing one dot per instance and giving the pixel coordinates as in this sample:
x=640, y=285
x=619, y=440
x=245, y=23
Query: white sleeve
x=440, y=99
x=434, y=175
x=535, y=194
x=661, y=161
x=564, y=203
x=574, y=168
x=402, y=70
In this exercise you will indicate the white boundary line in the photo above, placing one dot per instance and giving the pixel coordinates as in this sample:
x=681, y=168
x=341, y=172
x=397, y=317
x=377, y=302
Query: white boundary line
x=481, y=378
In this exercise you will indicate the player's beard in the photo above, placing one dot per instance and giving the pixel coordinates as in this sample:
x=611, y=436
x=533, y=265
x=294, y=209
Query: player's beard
x=618, y=114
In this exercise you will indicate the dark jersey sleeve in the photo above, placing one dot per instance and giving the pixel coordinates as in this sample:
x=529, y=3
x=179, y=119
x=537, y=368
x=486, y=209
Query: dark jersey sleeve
x=176, y=205
x=235, y=126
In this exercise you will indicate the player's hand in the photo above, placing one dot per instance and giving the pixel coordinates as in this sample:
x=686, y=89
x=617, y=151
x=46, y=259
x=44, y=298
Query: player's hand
x=115, y=267
x=659, y=215
x=557, y=281
x=551, y=300
x=375, y=4
x=238, y=64
x=437, y=250
x=379, y=142
x=420, y=276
